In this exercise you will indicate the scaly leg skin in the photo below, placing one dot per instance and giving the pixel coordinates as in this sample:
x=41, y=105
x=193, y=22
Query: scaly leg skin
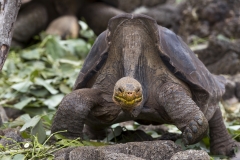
x=184, y=112
x=220, y=141
x=73, y=111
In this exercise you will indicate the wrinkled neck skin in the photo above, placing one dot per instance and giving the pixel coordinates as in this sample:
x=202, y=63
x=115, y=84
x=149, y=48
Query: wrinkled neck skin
x=131, y=53
x=132, y=61
x=130, y=39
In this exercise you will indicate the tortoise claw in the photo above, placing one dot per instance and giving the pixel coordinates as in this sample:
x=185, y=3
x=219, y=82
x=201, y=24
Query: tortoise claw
x=193, y=125
x=228, y=150
x=195, y=130
x=199, y=119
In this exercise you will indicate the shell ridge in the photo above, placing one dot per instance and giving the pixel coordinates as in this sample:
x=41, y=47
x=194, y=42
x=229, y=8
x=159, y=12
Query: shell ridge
x=93, y=62
x=183, y=63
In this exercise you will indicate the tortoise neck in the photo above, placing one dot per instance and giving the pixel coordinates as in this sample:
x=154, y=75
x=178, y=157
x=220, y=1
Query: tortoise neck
x=131, y=54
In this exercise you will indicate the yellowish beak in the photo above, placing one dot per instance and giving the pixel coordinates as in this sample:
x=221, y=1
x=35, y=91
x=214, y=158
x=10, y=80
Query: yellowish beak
x=127, y=100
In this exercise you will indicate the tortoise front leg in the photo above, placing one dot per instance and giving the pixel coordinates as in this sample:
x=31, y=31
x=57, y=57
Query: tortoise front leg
x=183, y=112
x=73, y=111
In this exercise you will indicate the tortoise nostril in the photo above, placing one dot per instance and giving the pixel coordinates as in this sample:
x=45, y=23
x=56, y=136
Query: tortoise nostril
x=129, y=93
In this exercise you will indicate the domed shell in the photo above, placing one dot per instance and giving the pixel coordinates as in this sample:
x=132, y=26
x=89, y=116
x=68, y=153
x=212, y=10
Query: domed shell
x=207, y=89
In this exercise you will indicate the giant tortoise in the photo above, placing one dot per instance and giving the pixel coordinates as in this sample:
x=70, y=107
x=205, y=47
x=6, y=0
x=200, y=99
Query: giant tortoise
x=138, y=70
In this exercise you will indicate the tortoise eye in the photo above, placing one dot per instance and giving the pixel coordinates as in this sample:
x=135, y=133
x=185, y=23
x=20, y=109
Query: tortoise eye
x=120, y=90
x=138, y=90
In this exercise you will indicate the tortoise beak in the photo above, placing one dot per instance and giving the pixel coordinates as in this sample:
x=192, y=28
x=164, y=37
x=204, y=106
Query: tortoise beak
x=127, y=94
x=128, y=100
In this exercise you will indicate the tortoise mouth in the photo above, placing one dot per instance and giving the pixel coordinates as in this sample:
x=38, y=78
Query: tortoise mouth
x=128, y=102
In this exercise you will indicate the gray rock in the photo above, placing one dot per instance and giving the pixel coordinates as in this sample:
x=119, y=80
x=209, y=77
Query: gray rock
x=160, y=150
x=237, y=81
x=10, y=137
x=63, y=153
x=238, y=90
x=120, y=156
x=230, y=89
x=3, y=115
x=85, y=153
x=191, y=155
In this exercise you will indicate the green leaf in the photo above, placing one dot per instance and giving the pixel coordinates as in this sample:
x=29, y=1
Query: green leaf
x=83, y=25
x=53, y=101
x=22, y=86
x=31, y=123
x=6, y=158
x=77, y=47
x=64, y=89
x=40, y=81
x=15, y=79
x=223, y=38
x=34, y=74
x=32, y=54
x=24, y=103
x=20, y=121
x=36, y=111
x=48, y=73
x=10, y=95
x=85, y=32
x=53, y=48
x=92, y=143
x=39, y=131
x=10, y=66
x=1, y=146
x=25, y=134
x=206, y=141
x=116, y=132
x=66, y=70
x=39, y=92
x=18, y=157
x=37, y=65
x=36, y=128
x=234, y=127
x=154, y=134
x=47, y=119
x=59, y=136
x=71, y=80
x=24, y=117
x=69, y=143
x=180, y=143
x=74, y=63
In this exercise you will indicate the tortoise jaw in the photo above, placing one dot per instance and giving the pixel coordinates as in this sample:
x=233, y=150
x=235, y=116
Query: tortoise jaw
x=127, y=103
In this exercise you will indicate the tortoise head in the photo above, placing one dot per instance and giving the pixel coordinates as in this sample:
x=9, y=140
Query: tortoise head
x=127, y=93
